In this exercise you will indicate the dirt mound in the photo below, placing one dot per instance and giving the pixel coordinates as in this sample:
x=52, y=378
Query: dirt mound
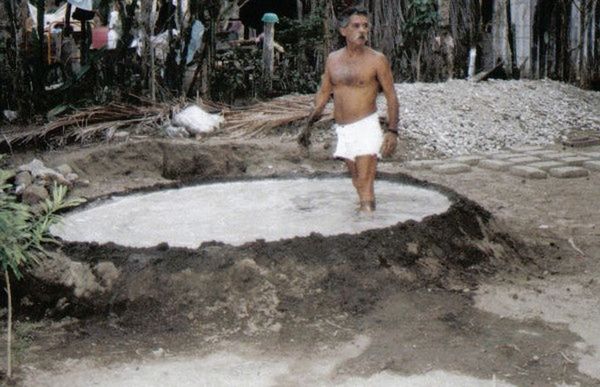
x=259, y=287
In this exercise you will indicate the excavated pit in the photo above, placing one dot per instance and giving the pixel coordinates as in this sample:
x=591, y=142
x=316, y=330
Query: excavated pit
x=278, y=269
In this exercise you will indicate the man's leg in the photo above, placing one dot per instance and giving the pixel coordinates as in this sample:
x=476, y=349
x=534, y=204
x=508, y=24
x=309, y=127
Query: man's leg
x=363, y=170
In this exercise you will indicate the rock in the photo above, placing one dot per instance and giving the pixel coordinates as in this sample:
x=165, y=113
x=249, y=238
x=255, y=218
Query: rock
x=85, y=282
x=72, y=177
x=34, y=194
x=40, y=172
x=527, y=172
x=64, y=169
x=23, y=178
x=120, y=136
x=10, y=115
x=159, y=352
x=568, y=172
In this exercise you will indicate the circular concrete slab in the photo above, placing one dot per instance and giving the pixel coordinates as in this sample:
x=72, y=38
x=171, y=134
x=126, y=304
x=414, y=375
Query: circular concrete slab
x=240, y=212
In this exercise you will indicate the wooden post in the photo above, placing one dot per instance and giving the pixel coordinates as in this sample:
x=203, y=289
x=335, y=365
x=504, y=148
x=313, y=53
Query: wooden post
x=269, y=20
x=472, y=60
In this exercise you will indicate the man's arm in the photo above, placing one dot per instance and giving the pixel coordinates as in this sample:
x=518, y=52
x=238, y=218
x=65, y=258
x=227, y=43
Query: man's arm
x=321, y=98
x=386, y=80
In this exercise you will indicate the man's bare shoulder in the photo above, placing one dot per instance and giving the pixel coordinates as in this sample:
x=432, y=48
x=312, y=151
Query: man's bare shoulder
x=335, y=54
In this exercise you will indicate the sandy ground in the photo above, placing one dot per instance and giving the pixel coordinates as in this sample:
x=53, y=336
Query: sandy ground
x=535, y=324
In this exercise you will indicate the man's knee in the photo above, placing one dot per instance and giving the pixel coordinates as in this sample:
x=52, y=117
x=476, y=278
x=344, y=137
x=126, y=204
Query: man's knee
x=363, y=181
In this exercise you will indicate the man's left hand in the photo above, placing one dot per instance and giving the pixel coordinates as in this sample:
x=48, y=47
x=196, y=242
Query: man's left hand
x=390, y=141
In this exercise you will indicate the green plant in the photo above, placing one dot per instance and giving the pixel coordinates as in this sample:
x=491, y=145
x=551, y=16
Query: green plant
x=23, y=233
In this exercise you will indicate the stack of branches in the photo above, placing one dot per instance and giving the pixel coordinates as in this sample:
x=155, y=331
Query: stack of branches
x=262, y=118
x=91, y=121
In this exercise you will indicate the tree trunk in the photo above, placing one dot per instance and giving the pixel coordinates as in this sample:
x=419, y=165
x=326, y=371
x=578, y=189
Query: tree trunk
x=9, y=328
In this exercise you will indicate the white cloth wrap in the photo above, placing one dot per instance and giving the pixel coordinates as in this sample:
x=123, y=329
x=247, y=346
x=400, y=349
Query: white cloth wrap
x=360, y=138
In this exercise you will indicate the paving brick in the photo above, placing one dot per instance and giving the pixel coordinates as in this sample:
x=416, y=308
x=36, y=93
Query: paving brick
x=592, y=155
x=592, y=165
x=495, y=165
x=527, y=172
x=451, y=168
x=523, y=160
x=526, y=148
x=568, y=172
x=504, y=155
x=575, y=161
x=423, y=164
x=556, y=155
x=546, y=165
x=469, y=160
x=541, y=152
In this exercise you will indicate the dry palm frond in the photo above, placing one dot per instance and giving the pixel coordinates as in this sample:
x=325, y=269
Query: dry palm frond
x=261, y=118
x=93, y=120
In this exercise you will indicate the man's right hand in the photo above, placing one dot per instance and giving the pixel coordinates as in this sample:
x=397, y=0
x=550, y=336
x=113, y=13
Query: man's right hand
x=304, y=137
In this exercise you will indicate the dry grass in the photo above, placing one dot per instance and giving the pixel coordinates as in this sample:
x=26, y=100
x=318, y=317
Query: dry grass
x=252, y=121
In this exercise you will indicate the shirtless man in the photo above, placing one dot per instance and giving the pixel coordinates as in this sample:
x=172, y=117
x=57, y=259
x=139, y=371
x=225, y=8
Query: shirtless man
x=354, y=75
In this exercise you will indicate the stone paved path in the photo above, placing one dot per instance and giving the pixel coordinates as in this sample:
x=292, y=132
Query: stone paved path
x=531, y=162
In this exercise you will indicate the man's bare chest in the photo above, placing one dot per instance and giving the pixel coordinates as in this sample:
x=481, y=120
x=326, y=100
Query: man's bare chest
x=353, y=74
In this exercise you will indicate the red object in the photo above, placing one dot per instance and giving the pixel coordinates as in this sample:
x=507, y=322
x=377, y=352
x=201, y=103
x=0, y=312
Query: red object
x=99, y=37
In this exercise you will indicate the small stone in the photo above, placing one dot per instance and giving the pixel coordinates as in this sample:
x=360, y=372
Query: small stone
x=83, y=183
x=568, y=172
x=575, y=161
x=190, y=316
x=34, y=194
x=451, y=169
x=64, y=169
x=546, y=165
x=495, y=165
x=120, y=136
x=469, y=160
x=528, y=172
x=592, y=165
x=423, y=164
x=159, y=352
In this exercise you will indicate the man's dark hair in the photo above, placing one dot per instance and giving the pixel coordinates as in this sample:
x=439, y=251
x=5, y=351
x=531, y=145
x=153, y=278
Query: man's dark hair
x=348, y=12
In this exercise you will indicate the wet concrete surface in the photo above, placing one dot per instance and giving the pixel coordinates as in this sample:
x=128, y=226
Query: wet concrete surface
x=240, y=212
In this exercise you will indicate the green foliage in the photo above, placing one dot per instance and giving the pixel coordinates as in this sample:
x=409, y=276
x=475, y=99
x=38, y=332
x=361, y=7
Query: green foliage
x=299, y=71
x=236, y=74
x=23, y=231
x=421, y=17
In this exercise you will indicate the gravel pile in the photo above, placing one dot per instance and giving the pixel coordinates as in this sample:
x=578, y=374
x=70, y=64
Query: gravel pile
x=461, y=117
